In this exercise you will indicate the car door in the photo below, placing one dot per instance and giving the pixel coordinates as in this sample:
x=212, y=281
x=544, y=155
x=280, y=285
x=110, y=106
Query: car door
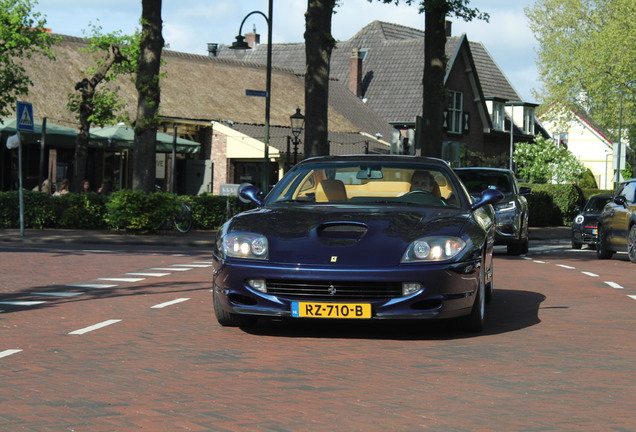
x=617, y=215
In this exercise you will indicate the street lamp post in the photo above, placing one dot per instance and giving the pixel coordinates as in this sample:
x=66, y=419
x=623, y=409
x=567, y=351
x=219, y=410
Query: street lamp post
x=240, y=44
x=297, y=124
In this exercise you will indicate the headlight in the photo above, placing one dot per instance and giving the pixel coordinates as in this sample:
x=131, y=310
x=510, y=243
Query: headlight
x=433, y=249
x=245, y=245
x=579, y=219
x=507, y=206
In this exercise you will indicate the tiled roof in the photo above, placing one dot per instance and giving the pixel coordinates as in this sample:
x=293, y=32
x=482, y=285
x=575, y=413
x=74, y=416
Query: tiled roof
x=393, y=67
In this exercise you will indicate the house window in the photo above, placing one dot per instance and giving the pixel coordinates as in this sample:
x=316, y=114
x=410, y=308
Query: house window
x=454, y=119
x=561, y=139
x=498, y=116
x=528, y=120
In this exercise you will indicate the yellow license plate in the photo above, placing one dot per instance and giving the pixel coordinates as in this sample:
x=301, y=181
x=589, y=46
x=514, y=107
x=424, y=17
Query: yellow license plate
x=331, y=310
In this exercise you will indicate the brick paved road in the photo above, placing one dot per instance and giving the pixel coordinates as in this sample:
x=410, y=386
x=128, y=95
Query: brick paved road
x=557, y=354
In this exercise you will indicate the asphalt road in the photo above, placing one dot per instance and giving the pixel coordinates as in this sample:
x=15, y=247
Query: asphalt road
x=103, y=337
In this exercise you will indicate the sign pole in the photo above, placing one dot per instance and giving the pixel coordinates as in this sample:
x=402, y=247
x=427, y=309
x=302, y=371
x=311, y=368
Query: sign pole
x=20, y=191
x=24, y=121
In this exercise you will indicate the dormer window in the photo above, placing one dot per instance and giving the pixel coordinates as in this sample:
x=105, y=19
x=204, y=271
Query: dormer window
x=528, y=120
x=498, y=116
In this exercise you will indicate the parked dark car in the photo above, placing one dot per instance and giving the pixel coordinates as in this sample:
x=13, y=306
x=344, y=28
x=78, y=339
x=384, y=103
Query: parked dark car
x=349, y=237
x=511, y=214
x=585, y=224
x=617, y=223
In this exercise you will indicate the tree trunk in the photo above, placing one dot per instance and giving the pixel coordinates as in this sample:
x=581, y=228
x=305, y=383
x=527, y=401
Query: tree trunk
x=434, y=73
x=87, y=88
x=147, y=84
x=318, y=46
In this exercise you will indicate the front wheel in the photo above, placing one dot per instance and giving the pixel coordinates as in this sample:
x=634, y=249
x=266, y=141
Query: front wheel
x=475, y=321
x=602, y=252
x=228, y=319
x=183, y=219
x=631, y=244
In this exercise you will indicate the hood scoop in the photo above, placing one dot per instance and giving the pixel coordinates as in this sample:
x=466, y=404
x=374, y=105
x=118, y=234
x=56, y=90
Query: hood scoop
x=341, y=233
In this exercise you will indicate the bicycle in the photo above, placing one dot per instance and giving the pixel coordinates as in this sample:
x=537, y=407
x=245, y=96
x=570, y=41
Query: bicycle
x=181, y=218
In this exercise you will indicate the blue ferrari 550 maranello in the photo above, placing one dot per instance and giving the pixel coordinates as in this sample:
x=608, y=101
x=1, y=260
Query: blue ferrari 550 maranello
x=358, y=237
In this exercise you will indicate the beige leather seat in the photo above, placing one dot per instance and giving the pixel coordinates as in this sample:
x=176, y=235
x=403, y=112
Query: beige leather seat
x=331, y=190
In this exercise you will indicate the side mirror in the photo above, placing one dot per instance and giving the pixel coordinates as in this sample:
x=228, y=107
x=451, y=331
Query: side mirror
x=489, y=196
x=523, y=190
x=249, y=193
x=621, y=200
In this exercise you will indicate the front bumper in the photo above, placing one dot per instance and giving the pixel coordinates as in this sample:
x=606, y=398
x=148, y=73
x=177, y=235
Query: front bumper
x=448, y=290
x=587, y=236
x=507, y=227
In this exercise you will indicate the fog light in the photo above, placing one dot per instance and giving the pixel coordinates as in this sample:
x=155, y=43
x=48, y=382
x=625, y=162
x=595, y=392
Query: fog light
x=410, y=287
x=258, y=285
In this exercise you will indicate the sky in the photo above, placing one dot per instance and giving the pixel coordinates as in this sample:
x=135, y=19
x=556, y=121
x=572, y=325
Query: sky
x=190, y=24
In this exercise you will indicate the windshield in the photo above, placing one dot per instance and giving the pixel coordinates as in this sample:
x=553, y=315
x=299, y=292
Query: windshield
x=596, y=204
x=355, y=183
x=478, y=181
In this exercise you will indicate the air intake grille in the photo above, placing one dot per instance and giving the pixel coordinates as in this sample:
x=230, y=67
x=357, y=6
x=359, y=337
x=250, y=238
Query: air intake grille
x=294, y=289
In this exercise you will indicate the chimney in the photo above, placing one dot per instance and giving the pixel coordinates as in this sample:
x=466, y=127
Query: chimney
x=449, y=28
x=213, y=49
x=355, y=73
x=253, y=38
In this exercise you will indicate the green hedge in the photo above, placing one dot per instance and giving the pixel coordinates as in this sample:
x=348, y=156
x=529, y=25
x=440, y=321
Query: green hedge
x=128, y=210
x=556, y=204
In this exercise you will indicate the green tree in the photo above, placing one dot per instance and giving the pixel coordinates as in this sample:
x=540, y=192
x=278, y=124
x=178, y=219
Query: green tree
x=586, y=55
x=545, y=162
x=147, y=83
x=22, y=34
x=95, y=102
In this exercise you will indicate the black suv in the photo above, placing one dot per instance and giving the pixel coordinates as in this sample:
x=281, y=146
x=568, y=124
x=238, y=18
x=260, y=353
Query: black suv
x=617, y=224
x=511, y=213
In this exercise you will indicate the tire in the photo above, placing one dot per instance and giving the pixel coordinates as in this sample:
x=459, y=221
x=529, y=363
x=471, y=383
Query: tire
x=515, y=248
x=183, y=219
x=602, y=252
x=475, y=321
x=631, y=244
x=227, y=319
x=576, y=245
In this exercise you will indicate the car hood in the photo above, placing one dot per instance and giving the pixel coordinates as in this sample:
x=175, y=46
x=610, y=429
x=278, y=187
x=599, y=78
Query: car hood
x=344, y=235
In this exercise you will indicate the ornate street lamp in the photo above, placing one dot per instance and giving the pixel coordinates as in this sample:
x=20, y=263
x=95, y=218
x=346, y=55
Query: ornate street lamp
x=240, y=46
x=297, y=125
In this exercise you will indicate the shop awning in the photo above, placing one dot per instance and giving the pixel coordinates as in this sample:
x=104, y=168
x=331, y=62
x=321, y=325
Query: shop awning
x=123, y=137
x=56, y=135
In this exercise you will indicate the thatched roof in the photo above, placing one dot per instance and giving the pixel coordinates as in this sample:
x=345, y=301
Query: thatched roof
x=195, y=88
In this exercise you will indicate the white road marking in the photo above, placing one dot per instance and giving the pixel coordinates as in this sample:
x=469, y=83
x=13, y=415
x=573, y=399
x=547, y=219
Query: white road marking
x=614, y=285
x=539, y=262
x=118, y=279
x=21, y=303
x=148, y=274
x=203, y=262
x=566, y=266
x=7, y=353
x=169, y=303
x=632, y=296
x=58, y=294
x=590, y=274
x=94, y=327
x=526, y=258
x=193, y=265
x=94, y=286
x=171, y=268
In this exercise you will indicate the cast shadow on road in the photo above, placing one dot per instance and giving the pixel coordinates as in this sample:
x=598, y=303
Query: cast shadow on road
x=46, y=294
x=510, y=310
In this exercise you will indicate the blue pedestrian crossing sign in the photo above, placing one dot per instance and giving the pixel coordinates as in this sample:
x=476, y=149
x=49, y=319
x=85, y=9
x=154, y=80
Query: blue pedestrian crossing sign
x=24, y=121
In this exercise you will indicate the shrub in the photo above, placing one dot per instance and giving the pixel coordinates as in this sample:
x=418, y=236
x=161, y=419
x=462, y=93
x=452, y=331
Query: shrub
x=81, y=211
x=553, y=204
x=210, y=211
x=140, y=212
x=38, y=210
